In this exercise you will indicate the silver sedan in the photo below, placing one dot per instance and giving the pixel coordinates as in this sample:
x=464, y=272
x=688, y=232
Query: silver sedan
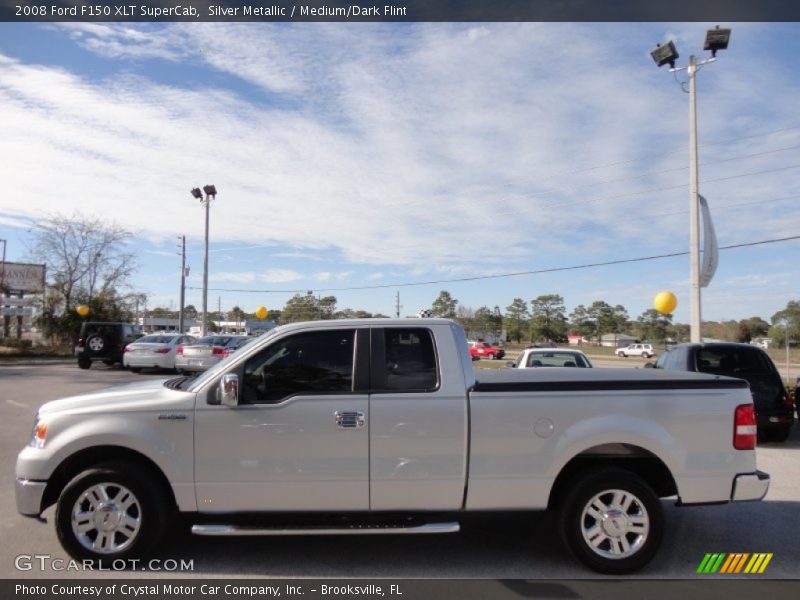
x=205, y=352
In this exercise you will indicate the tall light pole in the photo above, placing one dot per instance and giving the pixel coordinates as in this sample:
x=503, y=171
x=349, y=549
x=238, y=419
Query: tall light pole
x=210, y=195
x=183, y=284
x=716, y=39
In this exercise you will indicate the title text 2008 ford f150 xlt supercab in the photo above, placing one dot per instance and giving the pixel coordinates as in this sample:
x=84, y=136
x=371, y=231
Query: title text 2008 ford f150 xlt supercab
x=385, y=424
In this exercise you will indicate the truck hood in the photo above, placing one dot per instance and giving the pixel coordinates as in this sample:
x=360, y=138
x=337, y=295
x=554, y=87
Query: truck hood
x=137, y=396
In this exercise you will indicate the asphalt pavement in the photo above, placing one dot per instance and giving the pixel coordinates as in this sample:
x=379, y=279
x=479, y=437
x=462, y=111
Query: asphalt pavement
x=516, y=546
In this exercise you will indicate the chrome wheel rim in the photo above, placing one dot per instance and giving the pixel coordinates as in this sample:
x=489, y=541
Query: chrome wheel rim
x=106, y=518
x=615, y=524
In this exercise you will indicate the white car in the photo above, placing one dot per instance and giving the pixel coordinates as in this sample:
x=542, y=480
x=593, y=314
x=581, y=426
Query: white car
x=643, y=350
x=552, y=357
x=154, y=351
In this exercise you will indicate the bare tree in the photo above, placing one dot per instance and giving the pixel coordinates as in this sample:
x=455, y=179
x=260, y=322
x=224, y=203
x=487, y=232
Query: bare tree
x=85, y=256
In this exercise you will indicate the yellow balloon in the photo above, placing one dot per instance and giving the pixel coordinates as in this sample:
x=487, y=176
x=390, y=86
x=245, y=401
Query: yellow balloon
x=262, y=312
x=83, y=310
x=665, y=302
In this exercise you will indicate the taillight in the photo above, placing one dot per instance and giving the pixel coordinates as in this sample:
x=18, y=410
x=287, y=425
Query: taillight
x=744, y=427
x=127, y=349
x=787, y=398
x=163, y=350
x=217, y=351
x=80, y=342
x=179, y=350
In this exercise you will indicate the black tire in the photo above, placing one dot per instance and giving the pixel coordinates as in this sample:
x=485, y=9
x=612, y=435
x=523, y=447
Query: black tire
x=150, y=508
x=136, y=369
x=84, y=362
x=575, y=523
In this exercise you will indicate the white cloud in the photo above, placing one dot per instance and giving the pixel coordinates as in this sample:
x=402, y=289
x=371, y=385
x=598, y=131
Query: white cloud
x=280, y=275
x=239, y=277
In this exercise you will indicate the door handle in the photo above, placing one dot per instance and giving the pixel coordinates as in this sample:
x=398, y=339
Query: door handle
x=349, y=419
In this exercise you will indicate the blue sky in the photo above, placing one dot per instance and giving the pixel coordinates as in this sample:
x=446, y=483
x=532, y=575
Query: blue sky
x=351, y=155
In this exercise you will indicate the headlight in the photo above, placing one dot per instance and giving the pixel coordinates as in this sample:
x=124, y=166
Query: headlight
x=39, y=433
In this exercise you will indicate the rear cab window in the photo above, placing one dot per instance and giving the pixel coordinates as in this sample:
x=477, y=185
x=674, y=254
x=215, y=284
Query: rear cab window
x=404, y=360
x=732, y=360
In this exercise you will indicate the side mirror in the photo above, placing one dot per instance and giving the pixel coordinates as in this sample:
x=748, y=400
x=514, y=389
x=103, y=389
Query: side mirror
x=649, y=365
x=511, y=364
x=229, y=389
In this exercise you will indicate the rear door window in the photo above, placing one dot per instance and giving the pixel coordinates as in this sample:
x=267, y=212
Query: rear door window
x=405, y=361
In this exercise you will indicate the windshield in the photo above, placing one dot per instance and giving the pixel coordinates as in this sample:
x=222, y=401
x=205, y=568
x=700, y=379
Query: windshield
x=222, y=365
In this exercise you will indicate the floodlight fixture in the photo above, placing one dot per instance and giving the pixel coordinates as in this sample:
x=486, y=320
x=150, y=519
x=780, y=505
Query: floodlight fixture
x=197, y=193
x=210, y=190
x=665, y=55
x=717, y=39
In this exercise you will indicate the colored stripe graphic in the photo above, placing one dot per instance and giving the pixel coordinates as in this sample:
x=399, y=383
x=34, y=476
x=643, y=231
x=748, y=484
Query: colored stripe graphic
x=727, y=564
x=741, y=562
x=765, y=563
x=703, y=563
x=722, y=563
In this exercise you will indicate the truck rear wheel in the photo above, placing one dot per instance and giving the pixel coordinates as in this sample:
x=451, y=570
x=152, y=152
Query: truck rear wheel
x=110, y=512
x=611, y=521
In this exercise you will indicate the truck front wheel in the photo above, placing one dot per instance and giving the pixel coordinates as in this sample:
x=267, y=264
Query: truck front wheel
x=611, y=521
x=110, y=512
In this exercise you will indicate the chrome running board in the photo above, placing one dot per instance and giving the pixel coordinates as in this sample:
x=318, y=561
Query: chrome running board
x=355, y=529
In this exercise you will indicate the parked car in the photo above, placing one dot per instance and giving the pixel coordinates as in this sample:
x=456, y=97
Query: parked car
x=548, y=357
x=105, y=341
x=773, y=404
x=643, y=350
x=228, y=350
x=156, y=351
x=378, y=426
x=485, y=350
x=205, y=352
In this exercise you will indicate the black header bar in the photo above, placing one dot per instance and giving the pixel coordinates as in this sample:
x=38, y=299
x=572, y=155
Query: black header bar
x=386, y=11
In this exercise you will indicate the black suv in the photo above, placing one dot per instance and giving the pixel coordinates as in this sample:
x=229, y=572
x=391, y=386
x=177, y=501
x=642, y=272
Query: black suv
x=774, y=410
x=104, y=341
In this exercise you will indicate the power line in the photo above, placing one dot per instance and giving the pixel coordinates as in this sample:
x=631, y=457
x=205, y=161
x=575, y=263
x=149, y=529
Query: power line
x=502, y=275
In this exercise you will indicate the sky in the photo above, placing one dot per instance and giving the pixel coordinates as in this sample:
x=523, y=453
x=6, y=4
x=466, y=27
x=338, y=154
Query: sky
x=357, y=155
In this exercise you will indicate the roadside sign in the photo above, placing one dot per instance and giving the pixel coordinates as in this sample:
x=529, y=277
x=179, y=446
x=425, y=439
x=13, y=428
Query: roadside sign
x=16, y=311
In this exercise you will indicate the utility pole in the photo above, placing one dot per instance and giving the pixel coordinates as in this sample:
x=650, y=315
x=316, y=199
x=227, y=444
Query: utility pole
x=219, y=310
x=694, y=206
x=397, y=305
x=183, y=284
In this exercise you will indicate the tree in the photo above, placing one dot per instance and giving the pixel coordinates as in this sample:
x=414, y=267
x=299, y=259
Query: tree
x=653, y=326
x=85, y=256
x=786, y=322
x=581, y=321
x=300, y=308
x=190, y=312
x=487, y=323
x=237, y=315
x=444, y=306
x=87, y=263
x=548, y=320
x=516, y=319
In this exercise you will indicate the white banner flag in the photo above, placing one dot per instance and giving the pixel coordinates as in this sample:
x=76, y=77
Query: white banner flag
x=710, y=246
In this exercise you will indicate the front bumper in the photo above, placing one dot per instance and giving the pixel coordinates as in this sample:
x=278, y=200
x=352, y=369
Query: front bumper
x=29, y=497
x=750, y=486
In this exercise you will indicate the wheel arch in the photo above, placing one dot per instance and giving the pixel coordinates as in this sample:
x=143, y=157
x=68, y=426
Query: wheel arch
x=95, y=455
x=630, y=457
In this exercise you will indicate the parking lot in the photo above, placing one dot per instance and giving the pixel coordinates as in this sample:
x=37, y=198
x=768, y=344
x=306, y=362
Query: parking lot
x=516, y=546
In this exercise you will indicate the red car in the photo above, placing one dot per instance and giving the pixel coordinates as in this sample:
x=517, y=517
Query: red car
x=485, y=350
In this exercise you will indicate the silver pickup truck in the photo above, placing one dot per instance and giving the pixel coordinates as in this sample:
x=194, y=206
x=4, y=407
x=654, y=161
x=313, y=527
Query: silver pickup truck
x=384, y=426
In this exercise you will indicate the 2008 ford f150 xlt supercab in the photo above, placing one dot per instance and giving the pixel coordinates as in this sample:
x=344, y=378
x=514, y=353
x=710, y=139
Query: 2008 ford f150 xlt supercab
x=386, y=425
